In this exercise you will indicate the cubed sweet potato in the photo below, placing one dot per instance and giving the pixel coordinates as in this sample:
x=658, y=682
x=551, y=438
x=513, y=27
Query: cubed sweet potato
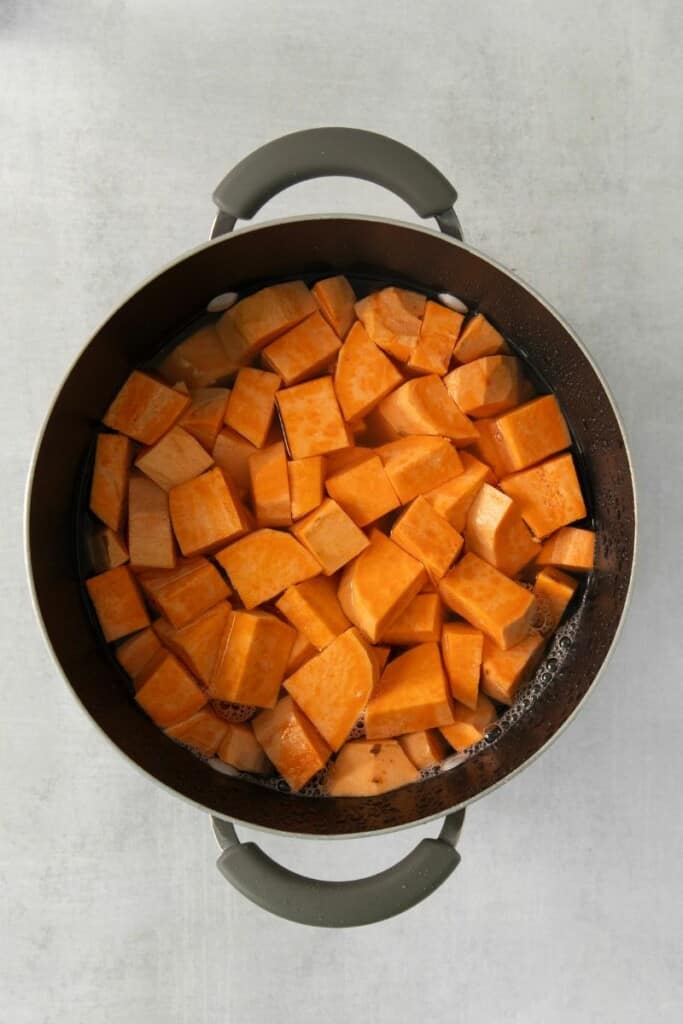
x=202, y=732
x=425, y=749
x=462, y=650
x=306, y=481
x=313, y=609
x=231, y=453
x=548, y=495
x=303, y=352
x=497, y=533
x=331, y=536
x=336, y=299
x=335, y=462
x=252, y=659
x=502, y=672
x=137, y=652
x=264, y=564
x=197, y=644
x=370, y=767
x=302, y=651
x=203, y=358
x=533, y=432
x=150, y=537
x=364, y=491
x=452, y=500
x=570, y=548
x=392, y=320
x=490, y=448
x=487, y=386
x=363, y=375
x=240, y=748
x=381, y=654
x=251, y=405
x=270, y=486
x=427, y=536
x=419, y=623
x=438, y=333
x=292, y=742
x=311, y=419
x=206, y=512
x=263, y=316
x=416, y=465
x=109, y=488
x=412, y=695
x=203, y=419
x=168, y=692
x=145, y=409
x=106, y=549
x=488, y=600
x=177, y=457
x=469, y=725
x=478, y=338
x=423, y=406
x=553, y=590
x=184, y=593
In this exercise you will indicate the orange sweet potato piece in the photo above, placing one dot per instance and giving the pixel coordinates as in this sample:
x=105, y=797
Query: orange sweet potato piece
x=415, y=465
x=206, y=512
x=306, y=479
x=203, y=419
x=270, y=486
x=311, y=419
x=488, y=600
x=452, y=500
x=462, y=649
x=109, y=488
x=264, y=564
x=252, y=659
x=202, y=732
x=137, y=652
x=379, y=584
x=423, y=406
x=478, y=338
x=569, y=548
x=419, y=623
x=427, y=536
x=487, y=386
x=197, y=643
x=334, y=686
x=412, y=695
x=533, y=431
x=302, y=651
x=167, y=691
x=251, y=405
x=145, y=409
x=425, y=749
x=292, y=742
x=335, y=462
x=106, y=549
x=502, y=672
x=182, y=594
x=177, y=457
x=336, y=299
x=203, y=359
x=303, y=352
x=331, y=536
x=438, y=334
x=496, y=532
x=313, y=609
x=364, y=491
x=261, y=317
x=150, y=537
x=363, y=375
x=381, y=655
x=231, y=453
x=391, y=318
x=469, y=725
x=240, y=748
x=490, y=448
x=370, y=767
x=548, y=495
x=554, y=590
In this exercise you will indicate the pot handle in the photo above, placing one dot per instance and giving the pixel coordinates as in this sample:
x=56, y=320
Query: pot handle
x=347, y=152
x=338, y=904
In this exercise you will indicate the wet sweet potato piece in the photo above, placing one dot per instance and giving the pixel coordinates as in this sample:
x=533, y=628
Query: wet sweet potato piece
x=150, y=537
x=364, y=491
x=533, y=432
x=416, y=465
x=302, y=651
x=270, y=486
x=336, y=299
x=423, y=406
x=427, y=536
x=478, y=338
x=251, y=405
x=488, y=600
x=168, y=692
x=203, y=732
x=313, y=609
x=311, y=419
x=490, y=448
x=497, y=533
x=240, y=748
x=363, y=375
x=203, y=419
x=106, y=549
x=184, y=593
x=335, y=462
x=145, y=409
x=137, y=652
x=306, y=480
x=412, y=695
x=292, y=742
x=548, y=495
x=331, y=536
x=487, y=386
x=570, y=548
x=177, y=457
x=469, y=725
x=264, y=564
x=370, y=767
x=554, y=590
x=206, y=512
x=462, y=649
x=502, y=672
x=452, y=500
x=231, y=453
x=303, y=352
x=392, y=319
x=261, y=317
x=380, y=653
x=252, y=659
x=419, y=623
x=204, y=358
x=425, y=749
x=109, y=488
x=438, y=334
x=197, y=643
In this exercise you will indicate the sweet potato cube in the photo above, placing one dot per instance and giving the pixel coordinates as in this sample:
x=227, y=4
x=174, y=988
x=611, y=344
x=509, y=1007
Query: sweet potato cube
x=313, y=608
x=306, y=479
x=203, y=419
x=292, y=742
x=334, y=686
x=469, y=725
x=150, y=537
x=478, y=338
x=203, y=359
x=419, y=623
x=438, y=334
x=336, y=299
x=379, y=584
x=184, y=593
x=496, y=532
x=270, y=486
x=177, y=457
x=251, y=405
x=145, y=409
x=462, y=649
x=252, y=659
x=491, y=448
x=264, y=564
x=311, y=419
x=553, y=590
x=261, y=317
x=167, y=691
x=427, y=536
x=425, y=749
x=109, y=488
x=137, y=652
x=415, y=465
x=412, y=695
x=303, y=352
x=569, y=548
x=533, y=431
x=106, y=549
x=364, y=491
x=197, y=644
x=392, y=319
x=488, y=600
x=363, y=375
x=335, y=462
x=202, y=732
x=302, y=651
x=381, y=655
x=487, y=386
x=452, y=500
x=548, y=495
x=240, y=748
x=502, y=672
x=331, y=536
x=231, y=453
x=370, y=767
x=423, y=406
x=206, y=512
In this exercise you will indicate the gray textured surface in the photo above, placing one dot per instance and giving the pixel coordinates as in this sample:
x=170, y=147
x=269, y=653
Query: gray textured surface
x=560, y=126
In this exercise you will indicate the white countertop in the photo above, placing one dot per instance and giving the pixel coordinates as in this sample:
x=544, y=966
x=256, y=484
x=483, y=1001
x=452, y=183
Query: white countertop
x=560, y=126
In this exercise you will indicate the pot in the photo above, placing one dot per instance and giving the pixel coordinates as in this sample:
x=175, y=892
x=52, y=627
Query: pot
x=371, y=252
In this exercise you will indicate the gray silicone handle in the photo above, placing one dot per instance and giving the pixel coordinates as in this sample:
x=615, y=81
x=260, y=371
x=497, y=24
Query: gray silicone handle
x=347, y=152
x=339, y=904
